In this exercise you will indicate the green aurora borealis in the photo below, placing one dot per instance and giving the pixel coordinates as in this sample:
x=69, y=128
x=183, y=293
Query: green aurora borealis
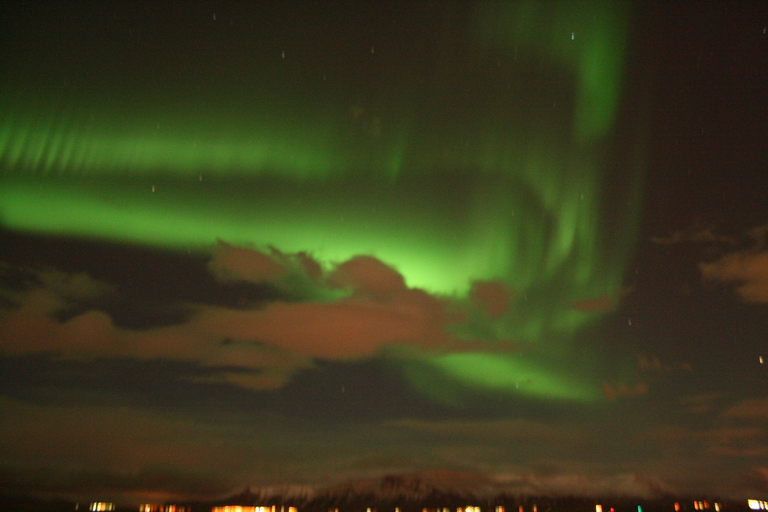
x=497, y=159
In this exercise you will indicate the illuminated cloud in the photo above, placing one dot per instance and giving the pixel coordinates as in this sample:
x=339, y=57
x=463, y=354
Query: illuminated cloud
x=703, y=403
x=230, y=263
x=748, y=270
x=738, y=441
x=269, y=343
x=377, y=310
x=614, y=391
x=750, y=408
x=597, y=305
x=356, y=309
x=492, y=297
x=696, y=234
x=652, y=363
x=367, y=275
x=347, y=329
x=31, y=327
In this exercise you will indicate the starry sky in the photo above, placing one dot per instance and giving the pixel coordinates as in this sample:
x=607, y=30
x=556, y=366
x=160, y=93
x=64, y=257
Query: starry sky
x=310, y=242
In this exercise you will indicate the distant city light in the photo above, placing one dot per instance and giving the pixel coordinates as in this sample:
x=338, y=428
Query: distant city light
x=239, y=508
x=757, y=504
x=101, y=506
x=174, y=508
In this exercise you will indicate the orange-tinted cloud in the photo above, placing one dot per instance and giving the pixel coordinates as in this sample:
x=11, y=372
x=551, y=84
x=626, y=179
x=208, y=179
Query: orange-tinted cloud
x=600, y=304
x=28, y=330
x=31, y=328
x=614, y=391
x=353, y=311
x=269, y=344
x=652, y=363
x=749, y=270
x=230, y=263
x=346, y=329
x=737, y=441
x=702, y=404
x=750, y=408
x=491, y=296
x=696, y=234
x=367, y=275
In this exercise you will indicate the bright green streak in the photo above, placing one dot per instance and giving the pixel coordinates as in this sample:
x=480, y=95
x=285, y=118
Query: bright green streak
x=512, y=374
x=477, y=176
x=196, y=216
x=53, y=146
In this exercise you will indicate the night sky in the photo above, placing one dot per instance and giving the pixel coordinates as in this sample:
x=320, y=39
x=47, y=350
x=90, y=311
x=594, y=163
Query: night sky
x=307, y=243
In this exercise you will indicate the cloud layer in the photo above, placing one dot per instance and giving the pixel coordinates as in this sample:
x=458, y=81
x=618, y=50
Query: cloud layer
x=347, y=312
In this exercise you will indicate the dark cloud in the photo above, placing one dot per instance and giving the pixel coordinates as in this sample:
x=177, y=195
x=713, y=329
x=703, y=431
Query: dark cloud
x=128, y=273
x=157, y=384
x=77, y=287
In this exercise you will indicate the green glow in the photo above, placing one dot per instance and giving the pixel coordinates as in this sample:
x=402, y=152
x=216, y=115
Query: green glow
x=460, y=379
x=494, y=171
x=47, y=146
x=513, y=374
x=588, y=38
